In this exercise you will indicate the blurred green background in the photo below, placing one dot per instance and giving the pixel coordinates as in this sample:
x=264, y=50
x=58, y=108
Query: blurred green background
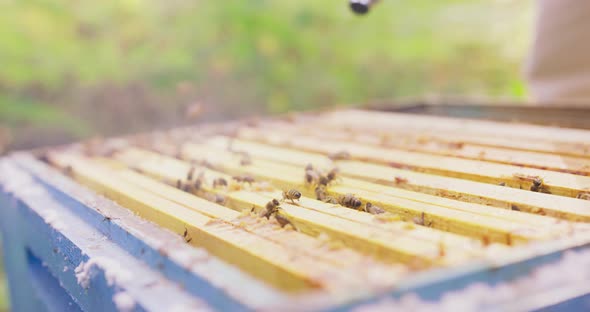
x=72, y=69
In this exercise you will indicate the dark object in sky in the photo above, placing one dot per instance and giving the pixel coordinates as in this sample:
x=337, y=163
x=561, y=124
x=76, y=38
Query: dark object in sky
x=361, y=7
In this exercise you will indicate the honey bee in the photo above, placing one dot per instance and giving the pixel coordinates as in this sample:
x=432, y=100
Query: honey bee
x=246, y=160
x=502, y=184
x=321, y=179
x=340, y=155
x=219, y=182
x=538, y=186
x=309, y=167
x=199, y=182
x=179, y=184
x=372, y=209
x=421, y=220
x=189, y=175
x=311, y=176
x=245, y=178
x=271, y=208
x=320, y=193
x=584, y=196
x=292, y=195
x=332, y=174
x=219, y=199
x=283, y=221
x=350, y=201
x=186, y=237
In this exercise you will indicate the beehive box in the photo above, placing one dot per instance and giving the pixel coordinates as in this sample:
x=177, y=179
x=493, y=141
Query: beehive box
x=340, y=210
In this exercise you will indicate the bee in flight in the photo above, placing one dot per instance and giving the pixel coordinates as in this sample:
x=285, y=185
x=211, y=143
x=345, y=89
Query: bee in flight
x=538, y=185
x=311, y=175
x=199, y=182
x=332, y=174
x=320, y=193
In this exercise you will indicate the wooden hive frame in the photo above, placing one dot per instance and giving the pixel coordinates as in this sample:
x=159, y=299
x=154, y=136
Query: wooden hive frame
x=439, y=187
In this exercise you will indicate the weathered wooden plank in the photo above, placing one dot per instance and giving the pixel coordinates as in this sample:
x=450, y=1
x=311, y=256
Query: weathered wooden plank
x=453, y=138
x=137, y=159
x=170, y=170
x=344, y=259
x=399, y=247
x=574, y=149
x=200, y=274
x=483, y=193
x=424, y=144
x=295, y=174
x=266, y=260
x=521, y=132
x=469, y=191
x=509, y=215
x=557, y=183
x=373, y=239
x=464, y=222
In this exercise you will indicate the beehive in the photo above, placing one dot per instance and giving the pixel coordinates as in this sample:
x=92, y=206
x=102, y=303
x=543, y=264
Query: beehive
x=460, y=213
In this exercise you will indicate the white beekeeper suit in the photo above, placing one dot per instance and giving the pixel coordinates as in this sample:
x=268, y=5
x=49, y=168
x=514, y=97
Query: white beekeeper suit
x=558, y=70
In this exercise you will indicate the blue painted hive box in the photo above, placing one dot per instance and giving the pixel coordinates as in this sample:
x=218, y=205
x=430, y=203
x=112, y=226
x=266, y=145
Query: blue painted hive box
x=336, y=211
